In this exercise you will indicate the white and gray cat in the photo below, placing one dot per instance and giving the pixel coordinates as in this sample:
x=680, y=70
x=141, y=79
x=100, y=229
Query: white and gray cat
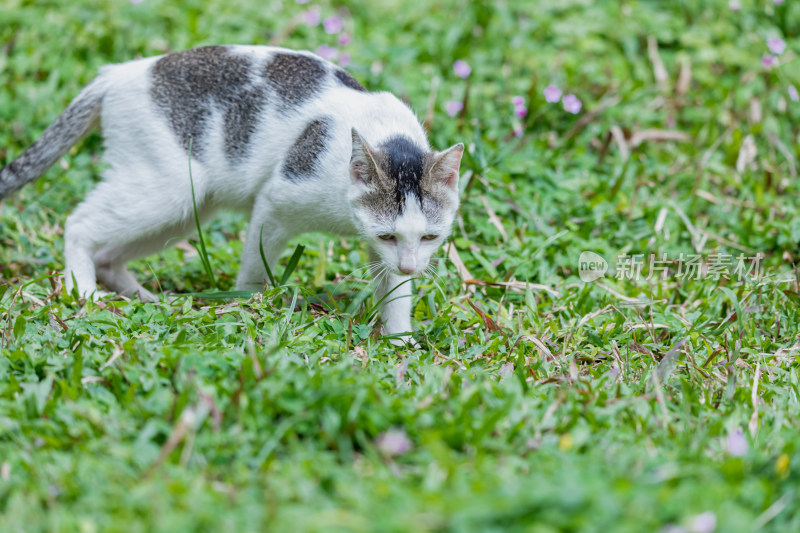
x=287, y=137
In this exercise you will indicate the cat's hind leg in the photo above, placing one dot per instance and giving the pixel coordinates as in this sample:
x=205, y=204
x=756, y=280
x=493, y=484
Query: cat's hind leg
x=79, y=243
x=114, y=225
x=116, y=277
x=110, y=261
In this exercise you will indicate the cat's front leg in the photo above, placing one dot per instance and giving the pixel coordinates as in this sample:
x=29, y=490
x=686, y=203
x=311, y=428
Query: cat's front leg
x=266, y=234
x=395, y=309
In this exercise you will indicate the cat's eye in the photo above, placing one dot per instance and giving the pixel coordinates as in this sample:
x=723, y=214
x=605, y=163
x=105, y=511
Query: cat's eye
x=386, y=237
x=429, y=237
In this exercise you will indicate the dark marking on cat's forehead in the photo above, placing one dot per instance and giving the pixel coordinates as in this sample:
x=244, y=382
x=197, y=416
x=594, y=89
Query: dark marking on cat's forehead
x=348, y=81
x=302, y=160
x=403, y=163
x=399, y=175
x=295, y=77
x=188, y=86
x=406, y=172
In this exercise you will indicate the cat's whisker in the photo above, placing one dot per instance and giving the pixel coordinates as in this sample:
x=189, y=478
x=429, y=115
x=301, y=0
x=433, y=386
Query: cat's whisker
x=383, y=273
x=375, y=267
x=347, y=277
x=435, y=278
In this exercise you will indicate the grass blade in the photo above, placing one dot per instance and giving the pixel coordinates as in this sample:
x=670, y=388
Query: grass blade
x=292, y=263
x=223, y=295
x=264, y=258
x=375, y=308
x=201, y=249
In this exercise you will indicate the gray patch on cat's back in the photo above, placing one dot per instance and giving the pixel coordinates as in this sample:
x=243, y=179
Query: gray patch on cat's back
x=303, y=157
x=187, y=85
x=295, y=77
x=347, y=80
x=241, y=118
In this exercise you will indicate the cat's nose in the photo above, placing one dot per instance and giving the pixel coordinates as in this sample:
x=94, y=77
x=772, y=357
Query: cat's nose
x=407, y=261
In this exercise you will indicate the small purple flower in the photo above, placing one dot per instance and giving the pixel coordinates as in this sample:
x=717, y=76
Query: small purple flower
x=333, y=24
x=462, y=68
x=344, y=39
x=572, y=104
x=778, y=2
x=736, y=443
x=776, y=45
x=519, y=106
x=311, y=16
x=793, y=96
x=768, y=61
x=393, y=442
x=327, y=52
x=302, y=1
x=552, y=94
x=344, y=59
x=734, y=5
x=703, y=523
x=453, y=107
x=518, y=130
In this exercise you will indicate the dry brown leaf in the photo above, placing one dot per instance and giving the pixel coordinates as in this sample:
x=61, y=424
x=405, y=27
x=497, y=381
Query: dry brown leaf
x=785, y=152
x=753, y=425
x=641, y=136
x=461, y=268
x=490, y=324
x=619, y=139
x=659, y=71
x=514, y=285
x=755, y=114
x=747, y=154
x=494, y=219
x=360, y=353
x=541, y=346
x=684, y=76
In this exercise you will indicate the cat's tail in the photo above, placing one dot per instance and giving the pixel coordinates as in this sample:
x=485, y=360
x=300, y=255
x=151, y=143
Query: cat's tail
x=74, y=123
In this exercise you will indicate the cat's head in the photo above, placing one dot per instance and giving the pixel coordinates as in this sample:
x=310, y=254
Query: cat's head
x=404, y=199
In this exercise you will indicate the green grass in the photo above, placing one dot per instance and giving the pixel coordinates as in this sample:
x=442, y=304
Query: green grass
x=557, y=407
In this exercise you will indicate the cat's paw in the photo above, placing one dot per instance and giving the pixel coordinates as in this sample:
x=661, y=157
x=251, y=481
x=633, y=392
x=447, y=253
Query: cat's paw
x=146, y=296
x=96, y=295
x=402, y=338
x=401, y=341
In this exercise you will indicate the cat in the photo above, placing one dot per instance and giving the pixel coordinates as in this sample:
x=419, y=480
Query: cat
x=284, y=136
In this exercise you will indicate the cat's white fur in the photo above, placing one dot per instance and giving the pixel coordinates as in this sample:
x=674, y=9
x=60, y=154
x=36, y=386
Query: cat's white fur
x=144, y=201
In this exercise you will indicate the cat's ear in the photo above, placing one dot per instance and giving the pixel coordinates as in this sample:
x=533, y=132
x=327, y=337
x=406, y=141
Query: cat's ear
x=444, y=169
x=363, y=168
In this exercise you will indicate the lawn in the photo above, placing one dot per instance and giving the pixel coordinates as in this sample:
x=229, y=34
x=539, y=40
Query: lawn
x=661, y=137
